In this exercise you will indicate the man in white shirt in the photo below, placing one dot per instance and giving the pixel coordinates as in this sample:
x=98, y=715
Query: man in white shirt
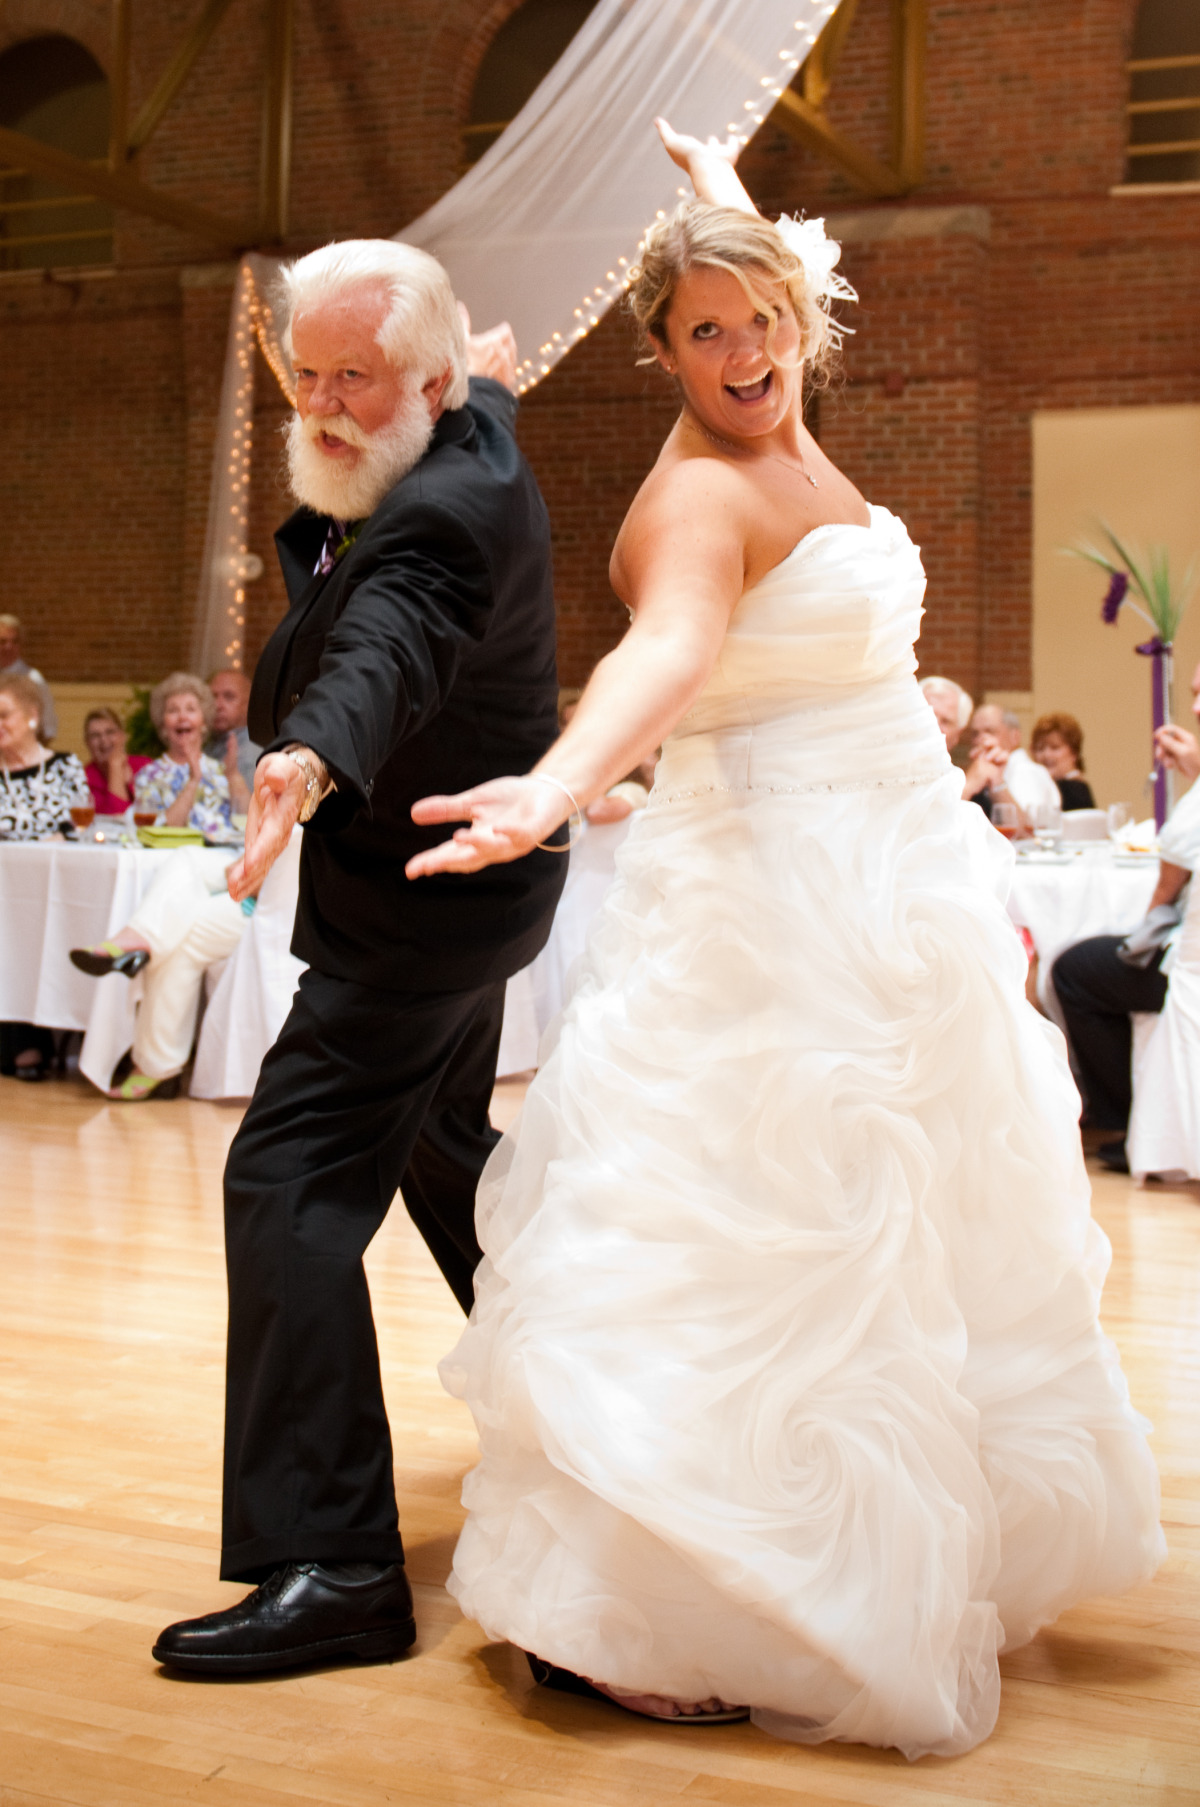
x=997, y=732
x=12, y=665
x=1102, y=982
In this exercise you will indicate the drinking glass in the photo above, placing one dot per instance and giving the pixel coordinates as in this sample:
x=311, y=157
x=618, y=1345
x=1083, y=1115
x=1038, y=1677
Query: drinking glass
x=83, y=814
x=1119, y=816
x=1005, y=820
x=1048, y=826
x=145, y=818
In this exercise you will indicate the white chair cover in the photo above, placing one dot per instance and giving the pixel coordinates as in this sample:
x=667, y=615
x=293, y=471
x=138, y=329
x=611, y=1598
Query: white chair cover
x=1164, y=1125
x=254, y=992
x=536, y=995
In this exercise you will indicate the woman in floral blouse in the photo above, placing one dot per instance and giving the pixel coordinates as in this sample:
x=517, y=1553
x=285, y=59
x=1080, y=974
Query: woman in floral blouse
x=37, y=787
x=37, y=790
x=188, y=788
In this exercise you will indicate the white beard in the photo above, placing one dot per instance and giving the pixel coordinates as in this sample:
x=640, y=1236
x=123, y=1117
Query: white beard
x=327, y=486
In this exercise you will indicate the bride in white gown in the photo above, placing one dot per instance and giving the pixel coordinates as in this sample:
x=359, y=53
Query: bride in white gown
x=785, y=1358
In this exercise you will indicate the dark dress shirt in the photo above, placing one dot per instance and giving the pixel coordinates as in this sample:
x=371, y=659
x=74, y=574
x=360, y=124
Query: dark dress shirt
x=422, y=663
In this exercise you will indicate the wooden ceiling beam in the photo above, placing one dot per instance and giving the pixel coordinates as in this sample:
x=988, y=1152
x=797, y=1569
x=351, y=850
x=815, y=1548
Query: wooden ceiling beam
x=909, y=22
x=276, y=166
x=809, y=127
x=817, y=74
x=176, y=73
x=119, y=189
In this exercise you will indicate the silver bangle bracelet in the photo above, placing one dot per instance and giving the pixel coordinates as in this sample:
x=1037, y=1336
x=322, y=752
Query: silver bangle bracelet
x=574, y=820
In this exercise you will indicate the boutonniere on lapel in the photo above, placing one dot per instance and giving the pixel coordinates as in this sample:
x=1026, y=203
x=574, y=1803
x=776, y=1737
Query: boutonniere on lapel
x=347, y=540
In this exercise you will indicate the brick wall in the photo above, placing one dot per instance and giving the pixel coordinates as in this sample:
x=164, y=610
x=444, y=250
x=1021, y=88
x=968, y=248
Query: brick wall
x=1010, y=281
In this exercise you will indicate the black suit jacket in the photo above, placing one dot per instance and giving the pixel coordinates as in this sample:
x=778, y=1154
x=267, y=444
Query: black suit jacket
x=424, y=662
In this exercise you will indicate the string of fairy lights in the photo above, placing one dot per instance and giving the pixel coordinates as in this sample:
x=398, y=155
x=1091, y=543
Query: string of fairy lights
x=235, y=566
x=595, y=303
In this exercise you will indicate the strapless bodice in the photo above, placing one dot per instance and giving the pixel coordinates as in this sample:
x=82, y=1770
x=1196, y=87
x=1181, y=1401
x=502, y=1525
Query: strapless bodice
x=814, y=688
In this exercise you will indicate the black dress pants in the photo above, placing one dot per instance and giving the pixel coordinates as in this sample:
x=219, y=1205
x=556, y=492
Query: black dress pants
x=1099, y=993
x=364, y=1091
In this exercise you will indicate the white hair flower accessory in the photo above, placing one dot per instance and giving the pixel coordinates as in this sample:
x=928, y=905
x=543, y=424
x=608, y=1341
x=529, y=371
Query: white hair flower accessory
x=808, y=240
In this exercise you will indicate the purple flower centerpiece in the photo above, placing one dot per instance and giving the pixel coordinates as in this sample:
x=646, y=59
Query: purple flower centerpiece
x=1161, y=607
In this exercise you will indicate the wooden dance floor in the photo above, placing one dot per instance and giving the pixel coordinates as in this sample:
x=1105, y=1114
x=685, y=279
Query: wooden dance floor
x=111, y=1346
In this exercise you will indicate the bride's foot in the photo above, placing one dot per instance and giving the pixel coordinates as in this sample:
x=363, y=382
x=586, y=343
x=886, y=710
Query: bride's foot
x=661, y=1707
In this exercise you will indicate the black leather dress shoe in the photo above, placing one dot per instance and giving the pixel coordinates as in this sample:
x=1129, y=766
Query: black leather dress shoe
x=1112, y=1155
x=306, y=1612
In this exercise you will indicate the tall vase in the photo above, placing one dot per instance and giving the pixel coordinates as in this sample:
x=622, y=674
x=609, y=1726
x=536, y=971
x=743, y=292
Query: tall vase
x=1160, y=681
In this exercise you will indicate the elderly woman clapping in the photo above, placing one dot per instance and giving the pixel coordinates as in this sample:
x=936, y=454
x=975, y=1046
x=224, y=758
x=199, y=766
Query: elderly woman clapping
x=190, y=789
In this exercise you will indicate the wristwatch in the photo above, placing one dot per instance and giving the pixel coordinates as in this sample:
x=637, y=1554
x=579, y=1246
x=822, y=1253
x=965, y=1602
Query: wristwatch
x=316, y=787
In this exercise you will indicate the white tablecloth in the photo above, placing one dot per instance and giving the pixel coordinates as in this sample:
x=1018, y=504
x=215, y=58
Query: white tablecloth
x=253, y=989
x=56, y=895
x=1088, y=895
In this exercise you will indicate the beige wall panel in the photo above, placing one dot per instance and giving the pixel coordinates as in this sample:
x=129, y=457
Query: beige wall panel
x=1138, y=469
x=73, y=701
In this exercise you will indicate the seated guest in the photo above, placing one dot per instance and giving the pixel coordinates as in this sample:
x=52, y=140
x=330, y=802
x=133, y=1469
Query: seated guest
x=38, y=790
x=12, y=665
x=950, y=704
x=231, y=743
x=1101, y=983
x=185, y=923
x=1057, y=744
x=111, y=769
x=983, y=772
x=39, y=787
x=190, y=789
x=996, y=740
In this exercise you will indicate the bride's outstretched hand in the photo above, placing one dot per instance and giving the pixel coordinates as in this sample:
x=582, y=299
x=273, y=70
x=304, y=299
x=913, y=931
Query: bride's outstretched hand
x=681, y=148
x=505, y=819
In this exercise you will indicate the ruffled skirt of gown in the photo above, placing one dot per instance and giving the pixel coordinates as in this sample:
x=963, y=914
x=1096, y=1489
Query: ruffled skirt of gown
x=785, y=1359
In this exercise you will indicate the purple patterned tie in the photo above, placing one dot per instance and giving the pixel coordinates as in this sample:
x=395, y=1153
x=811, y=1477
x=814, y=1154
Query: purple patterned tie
x=333, y=539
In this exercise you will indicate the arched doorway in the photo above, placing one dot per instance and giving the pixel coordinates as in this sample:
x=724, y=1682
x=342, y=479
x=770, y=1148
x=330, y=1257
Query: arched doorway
x=53, y=90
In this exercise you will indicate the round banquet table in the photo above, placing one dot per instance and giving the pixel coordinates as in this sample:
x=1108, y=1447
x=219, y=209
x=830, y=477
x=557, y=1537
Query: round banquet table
x=1087, y=892
x=56, y=895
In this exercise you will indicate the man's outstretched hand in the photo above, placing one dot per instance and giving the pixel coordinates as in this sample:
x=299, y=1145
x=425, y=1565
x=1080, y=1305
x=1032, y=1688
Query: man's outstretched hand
x=275, y=807
x=493, y=353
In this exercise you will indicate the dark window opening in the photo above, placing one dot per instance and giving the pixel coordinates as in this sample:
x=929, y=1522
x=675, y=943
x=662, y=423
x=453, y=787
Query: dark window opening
x=1164, y=93
x=523, y=51
x=52, y=89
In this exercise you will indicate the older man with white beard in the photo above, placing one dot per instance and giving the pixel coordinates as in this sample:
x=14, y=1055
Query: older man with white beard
x=417, y=656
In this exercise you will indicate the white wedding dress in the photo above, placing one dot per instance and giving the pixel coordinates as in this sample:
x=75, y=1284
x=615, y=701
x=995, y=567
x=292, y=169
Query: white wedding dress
x=785, y=1358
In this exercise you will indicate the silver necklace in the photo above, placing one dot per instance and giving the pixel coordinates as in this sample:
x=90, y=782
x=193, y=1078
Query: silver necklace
x=730, y=445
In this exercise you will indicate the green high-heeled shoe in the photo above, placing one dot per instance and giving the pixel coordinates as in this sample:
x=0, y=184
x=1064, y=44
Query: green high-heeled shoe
x=139, y=1086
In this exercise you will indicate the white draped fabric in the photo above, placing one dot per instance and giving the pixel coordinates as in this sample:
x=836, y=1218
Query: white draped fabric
x=543, y=230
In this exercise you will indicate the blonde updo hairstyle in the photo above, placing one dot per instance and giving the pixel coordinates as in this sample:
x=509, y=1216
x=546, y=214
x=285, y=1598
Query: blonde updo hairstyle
x=701, y=236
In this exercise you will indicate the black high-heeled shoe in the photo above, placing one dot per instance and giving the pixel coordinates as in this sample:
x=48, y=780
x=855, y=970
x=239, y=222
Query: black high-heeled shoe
x=98, y=961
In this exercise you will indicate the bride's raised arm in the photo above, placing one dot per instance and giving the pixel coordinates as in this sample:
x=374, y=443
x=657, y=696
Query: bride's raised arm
x=709, y=164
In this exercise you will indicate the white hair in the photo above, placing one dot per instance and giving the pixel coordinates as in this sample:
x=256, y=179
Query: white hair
x=423, y=331
x=963, y=702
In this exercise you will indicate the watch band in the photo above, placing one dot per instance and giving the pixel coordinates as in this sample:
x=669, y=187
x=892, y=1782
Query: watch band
x=314, y=791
